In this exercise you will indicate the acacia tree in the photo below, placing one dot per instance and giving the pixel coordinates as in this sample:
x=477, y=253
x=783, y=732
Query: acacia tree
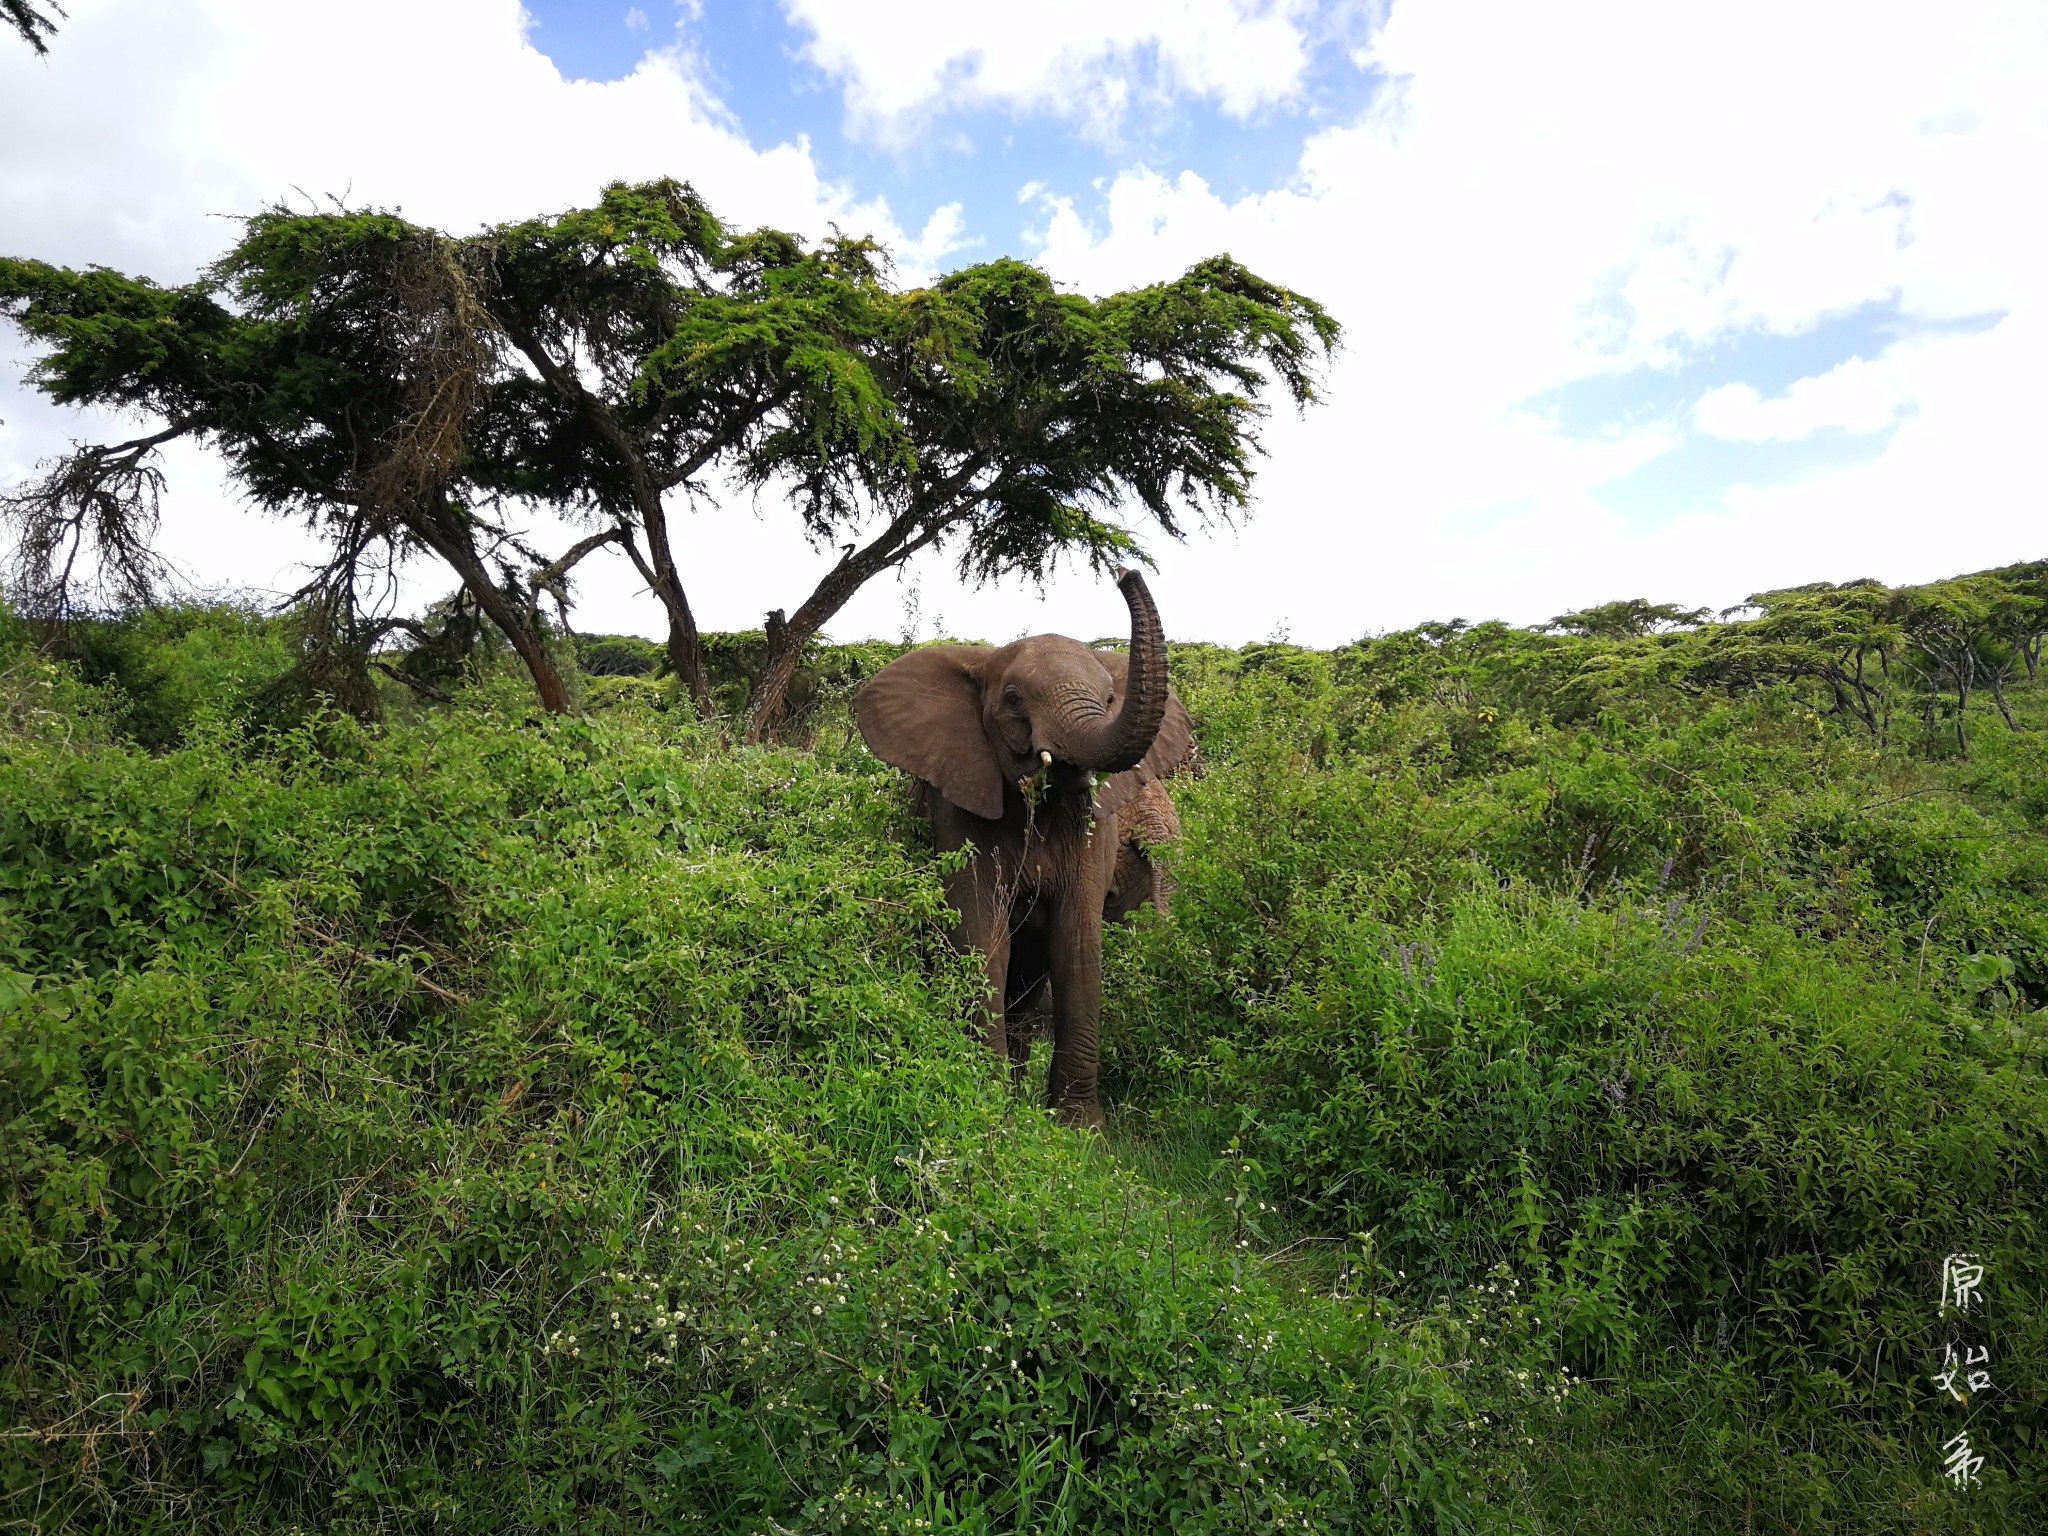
x=333, y=363
x=1627, y=619
x=652, y=346
x=1032, y=416
x=1873, y=647
x=1966, y=632
x=397, y=386
x=1844, y=636
x=2024, y=621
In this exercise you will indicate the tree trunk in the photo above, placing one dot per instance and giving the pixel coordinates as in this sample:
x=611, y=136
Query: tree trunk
x=769, y=707
x=928, y=514
x=449, y=538
x=1884, y=731
x=686, y=654
x=1997, y=681
x=685, y=648
x=1965, y=675
x=786, y=641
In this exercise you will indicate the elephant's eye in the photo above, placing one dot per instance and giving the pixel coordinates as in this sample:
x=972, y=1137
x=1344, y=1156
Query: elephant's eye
x=1013, y=698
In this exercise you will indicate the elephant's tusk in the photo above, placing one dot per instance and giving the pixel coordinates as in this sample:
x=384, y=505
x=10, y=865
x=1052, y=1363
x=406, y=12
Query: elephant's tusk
x=1044, y=757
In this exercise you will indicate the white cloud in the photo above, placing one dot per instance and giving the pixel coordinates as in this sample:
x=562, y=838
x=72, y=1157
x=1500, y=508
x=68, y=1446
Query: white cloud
x=1539, y=195
x=154, y=119
x=944, y=234
x=1858, y=396
x=1089, y=61
x=151, y=119
x=1546, y=194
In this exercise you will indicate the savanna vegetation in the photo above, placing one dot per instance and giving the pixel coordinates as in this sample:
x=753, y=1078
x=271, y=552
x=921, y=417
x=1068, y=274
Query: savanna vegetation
x=1571, y=1055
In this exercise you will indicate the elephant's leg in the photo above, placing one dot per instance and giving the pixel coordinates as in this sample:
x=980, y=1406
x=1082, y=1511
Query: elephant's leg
x=981, y=924
x=1027, y=1000
x=1075, y=966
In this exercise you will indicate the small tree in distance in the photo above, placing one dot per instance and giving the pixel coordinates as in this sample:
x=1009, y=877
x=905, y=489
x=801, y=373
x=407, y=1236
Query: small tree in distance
x=398, y=388
x=1628, y=618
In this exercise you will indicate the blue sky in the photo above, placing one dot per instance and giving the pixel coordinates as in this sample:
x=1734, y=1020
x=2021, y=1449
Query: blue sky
x=754, y=57
x=1677, y=302
x=1697, y=472
x=762, y=62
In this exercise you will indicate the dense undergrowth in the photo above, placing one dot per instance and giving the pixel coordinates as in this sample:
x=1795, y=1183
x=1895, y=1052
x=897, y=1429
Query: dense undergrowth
x=1717, y=1025
x=1548, y=1107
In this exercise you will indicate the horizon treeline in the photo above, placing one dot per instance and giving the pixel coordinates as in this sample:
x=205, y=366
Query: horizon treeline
x=1876, y=657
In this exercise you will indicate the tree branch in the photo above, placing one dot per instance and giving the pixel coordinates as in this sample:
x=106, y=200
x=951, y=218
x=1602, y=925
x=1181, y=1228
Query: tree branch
x=31, y=23
x=105, y=495
x=548, y=576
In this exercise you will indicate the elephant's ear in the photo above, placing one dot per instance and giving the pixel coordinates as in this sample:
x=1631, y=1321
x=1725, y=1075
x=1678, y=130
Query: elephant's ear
x=922, y=713
x=1169, y=747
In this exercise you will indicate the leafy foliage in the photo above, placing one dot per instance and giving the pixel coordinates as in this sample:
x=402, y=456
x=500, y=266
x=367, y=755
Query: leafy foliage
x=476, y=1127
x=36, y=26
x=618, y=656
x=1569, y=1057
x=164, y=671
x=1716, y=1023
x=396, y=386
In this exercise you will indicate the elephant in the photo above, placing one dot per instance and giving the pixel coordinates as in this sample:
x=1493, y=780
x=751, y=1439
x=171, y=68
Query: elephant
x=1044, y=755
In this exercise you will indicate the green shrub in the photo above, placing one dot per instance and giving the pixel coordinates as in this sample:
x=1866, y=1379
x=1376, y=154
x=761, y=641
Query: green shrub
x=1571, y=1055
x=480, y=1127
x=1688, y=1122
x=165, y=668
x=619, y=656
x=825, y=678
x=1713, y=1030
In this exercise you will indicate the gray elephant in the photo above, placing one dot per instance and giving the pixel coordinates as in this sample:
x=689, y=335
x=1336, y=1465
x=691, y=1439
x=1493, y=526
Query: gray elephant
x=1040, y=754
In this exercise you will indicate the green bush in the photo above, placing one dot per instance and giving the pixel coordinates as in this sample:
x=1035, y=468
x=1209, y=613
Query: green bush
x=1679, y=1121
x=163, y=669
x=480, y=1127
x=618, y=656
x=1567, y=1062
x=1719, y=1031
x=825, y=678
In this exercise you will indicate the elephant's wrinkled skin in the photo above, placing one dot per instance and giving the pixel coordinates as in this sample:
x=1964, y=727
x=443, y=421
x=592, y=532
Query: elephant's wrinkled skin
x=1043, y=754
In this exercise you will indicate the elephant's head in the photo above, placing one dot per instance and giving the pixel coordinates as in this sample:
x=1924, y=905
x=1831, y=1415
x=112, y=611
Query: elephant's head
x=969, y=720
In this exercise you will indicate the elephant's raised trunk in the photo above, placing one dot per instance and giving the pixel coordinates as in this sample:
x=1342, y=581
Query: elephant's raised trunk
x=1121, y=740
